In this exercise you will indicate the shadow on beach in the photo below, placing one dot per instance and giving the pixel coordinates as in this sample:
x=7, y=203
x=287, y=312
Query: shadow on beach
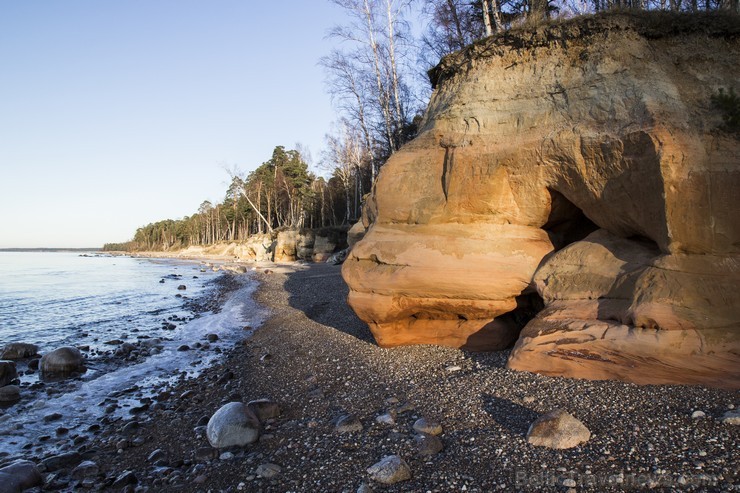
x=321, y=294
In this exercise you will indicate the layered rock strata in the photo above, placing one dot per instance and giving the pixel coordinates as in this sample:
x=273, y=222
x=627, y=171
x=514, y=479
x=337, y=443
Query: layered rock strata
x=581, y=164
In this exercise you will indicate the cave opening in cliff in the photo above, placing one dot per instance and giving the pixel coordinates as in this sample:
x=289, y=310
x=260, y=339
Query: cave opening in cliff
x=566, y=223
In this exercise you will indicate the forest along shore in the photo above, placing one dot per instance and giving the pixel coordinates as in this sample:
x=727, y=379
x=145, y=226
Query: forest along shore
x=318, y=362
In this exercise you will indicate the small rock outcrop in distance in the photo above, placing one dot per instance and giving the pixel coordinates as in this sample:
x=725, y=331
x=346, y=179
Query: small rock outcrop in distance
x=557, y=429
x=234, y=424
x=285, y=246
x=596, y=134
x=62, y=362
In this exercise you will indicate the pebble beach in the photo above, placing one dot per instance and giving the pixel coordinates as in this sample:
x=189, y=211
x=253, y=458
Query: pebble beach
x=341, y=404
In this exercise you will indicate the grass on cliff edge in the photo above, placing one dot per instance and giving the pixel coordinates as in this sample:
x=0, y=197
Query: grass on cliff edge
x=649, y=24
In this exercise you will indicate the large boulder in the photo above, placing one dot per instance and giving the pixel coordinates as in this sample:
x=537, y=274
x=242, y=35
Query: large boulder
x=234, y=424
x=616, y=308
x=8, y=372
x=18, y=350
x=62, y=362
x=531, y=142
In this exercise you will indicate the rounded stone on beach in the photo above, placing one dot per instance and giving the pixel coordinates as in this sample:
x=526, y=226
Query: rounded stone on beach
x=268, y=470
x=124, y=479
x=18, y=350
x=264, y=409
x=10, y=393
x=427, y=445
x=234, y=424
x=348, y=424
x=19, y=476
x=731, y=417
x=423, y=425
x=62, y=362
x=364, y=488
x=558, y=430
x=86, y=469
x=390, y=470
x=388, y=418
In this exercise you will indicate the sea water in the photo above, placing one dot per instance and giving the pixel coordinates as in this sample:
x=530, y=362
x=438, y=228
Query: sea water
x=96, y=302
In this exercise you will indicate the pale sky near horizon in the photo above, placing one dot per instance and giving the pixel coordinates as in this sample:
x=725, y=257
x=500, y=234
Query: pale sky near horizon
x=117, y=114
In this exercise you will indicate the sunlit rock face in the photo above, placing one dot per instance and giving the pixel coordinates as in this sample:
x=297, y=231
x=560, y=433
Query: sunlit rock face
x=580, y=168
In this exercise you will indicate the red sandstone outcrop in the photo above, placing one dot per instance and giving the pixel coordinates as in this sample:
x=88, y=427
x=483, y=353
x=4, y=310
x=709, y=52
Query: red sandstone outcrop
x=597, y=135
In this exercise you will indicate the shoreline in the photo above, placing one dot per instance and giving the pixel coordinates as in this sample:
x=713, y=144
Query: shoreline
x=318, y=361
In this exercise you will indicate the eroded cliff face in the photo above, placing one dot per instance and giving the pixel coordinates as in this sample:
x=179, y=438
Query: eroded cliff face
x=576, y=168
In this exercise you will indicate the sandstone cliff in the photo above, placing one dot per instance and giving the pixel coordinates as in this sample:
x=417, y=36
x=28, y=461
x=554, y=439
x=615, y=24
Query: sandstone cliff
x=577, y=167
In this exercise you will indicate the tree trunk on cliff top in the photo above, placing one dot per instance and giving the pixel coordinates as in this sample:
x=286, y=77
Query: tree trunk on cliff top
x=486, y=18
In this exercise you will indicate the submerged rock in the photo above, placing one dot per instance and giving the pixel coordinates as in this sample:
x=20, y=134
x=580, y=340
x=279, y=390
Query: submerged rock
x=62, y=362
x=234, y=424
x=557, y=429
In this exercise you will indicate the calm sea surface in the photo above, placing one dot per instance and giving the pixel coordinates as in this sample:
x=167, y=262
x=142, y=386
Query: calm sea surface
x=96, y=302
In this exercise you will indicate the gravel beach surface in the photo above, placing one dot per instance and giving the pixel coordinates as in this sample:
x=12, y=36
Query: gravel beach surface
x=320, y=364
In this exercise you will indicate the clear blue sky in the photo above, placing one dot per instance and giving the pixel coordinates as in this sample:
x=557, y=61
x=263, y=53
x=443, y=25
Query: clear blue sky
x=114, y=114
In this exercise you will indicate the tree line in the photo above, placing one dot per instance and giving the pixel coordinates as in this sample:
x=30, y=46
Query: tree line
x=280, y=193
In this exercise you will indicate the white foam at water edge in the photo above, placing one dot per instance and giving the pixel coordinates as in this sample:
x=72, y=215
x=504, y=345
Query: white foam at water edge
x=80, y=407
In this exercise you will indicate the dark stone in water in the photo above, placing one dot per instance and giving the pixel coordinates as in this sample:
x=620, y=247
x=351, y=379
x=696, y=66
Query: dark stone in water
x=52, y=417
x=161, y=281
x=184, y=347
x=182, y=287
